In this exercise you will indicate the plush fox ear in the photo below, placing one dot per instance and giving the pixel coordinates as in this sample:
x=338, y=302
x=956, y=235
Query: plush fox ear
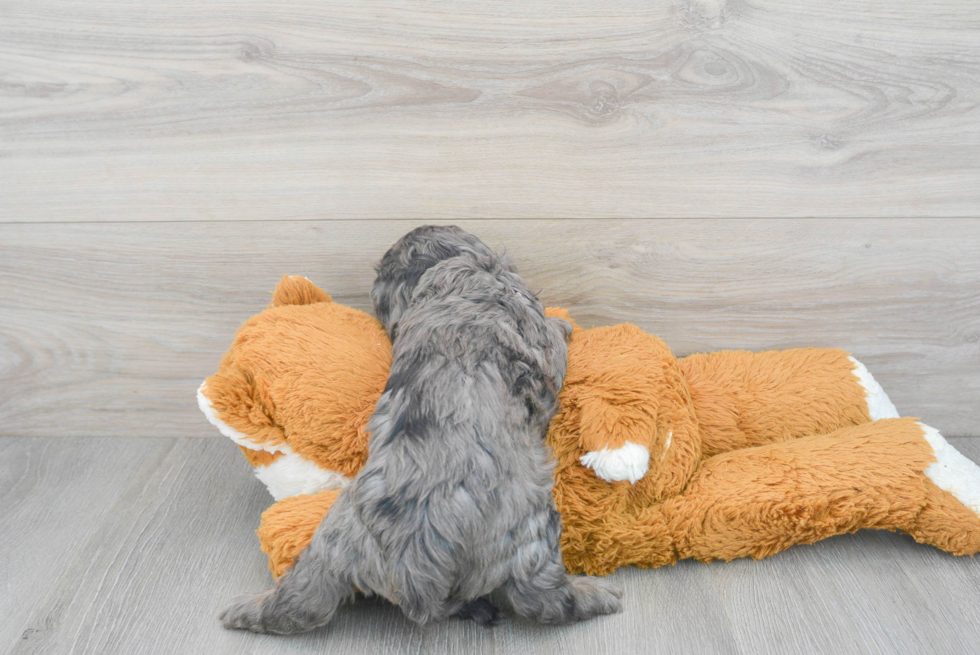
x=297, y=290
x=559, y=312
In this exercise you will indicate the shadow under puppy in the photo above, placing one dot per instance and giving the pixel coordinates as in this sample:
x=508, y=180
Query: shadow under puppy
x=454, y=501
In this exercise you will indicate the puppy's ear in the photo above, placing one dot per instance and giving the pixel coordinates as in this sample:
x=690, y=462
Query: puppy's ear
x=297, y=290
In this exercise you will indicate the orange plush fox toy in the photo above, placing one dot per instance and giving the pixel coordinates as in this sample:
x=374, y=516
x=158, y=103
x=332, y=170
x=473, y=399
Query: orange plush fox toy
x=713, y=456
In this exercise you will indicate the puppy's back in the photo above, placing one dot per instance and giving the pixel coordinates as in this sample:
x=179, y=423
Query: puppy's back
x=458, y=460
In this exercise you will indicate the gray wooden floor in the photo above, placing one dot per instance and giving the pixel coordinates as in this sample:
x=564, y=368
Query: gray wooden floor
x=132, y=546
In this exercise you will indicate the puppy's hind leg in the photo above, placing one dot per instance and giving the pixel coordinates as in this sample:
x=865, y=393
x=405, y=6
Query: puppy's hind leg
x=480, y=611
x=539, y=589
x=549, y=595
x=307, y=595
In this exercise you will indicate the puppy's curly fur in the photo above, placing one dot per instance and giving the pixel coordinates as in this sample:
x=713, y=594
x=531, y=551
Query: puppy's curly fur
x=455, y=500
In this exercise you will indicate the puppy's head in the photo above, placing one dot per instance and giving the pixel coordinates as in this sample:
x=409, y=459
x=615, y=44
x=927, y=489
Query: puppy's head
x=415, y=253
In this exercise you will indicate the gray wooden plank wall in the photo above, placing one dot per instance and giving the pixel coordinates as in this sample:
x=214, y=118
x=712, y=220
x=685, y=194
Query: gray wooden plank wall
x=162, y=165
x=108, y=328
x=250, y=110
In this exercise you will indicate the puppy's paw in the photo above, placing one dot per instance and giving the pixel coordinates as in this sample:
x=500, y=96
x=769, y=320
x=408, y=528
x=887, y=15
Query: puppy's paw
x=481, y=611
x=595, y=597
x=245, y=612
x=628, y=462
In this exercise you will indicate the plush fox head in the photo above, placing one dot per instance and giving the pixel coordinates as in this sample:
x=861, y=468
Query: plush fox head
x=297, y=387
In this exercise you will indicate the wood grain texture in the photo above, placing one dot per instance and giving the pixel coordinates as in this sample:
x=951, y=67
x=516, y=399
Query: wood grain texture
x=248, y=110
x=131, y=547
x=108, y=329
x=55, y=496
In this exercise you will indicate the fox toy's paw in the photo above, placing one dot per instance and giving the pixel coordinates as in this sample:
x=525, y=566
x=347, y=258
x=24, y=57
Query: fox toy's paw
x=628, y=462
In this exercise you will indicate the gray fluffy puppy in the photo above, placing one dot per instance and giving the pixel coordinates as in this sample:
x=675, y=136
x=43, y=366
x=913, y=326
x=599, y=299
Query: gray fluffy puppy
x=455, y=500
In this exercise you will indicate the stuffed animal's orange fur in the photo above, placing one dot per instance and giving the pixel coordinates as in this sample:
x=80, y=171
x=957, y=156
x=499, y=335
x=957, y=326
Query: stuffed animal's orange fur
x=713, y=456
